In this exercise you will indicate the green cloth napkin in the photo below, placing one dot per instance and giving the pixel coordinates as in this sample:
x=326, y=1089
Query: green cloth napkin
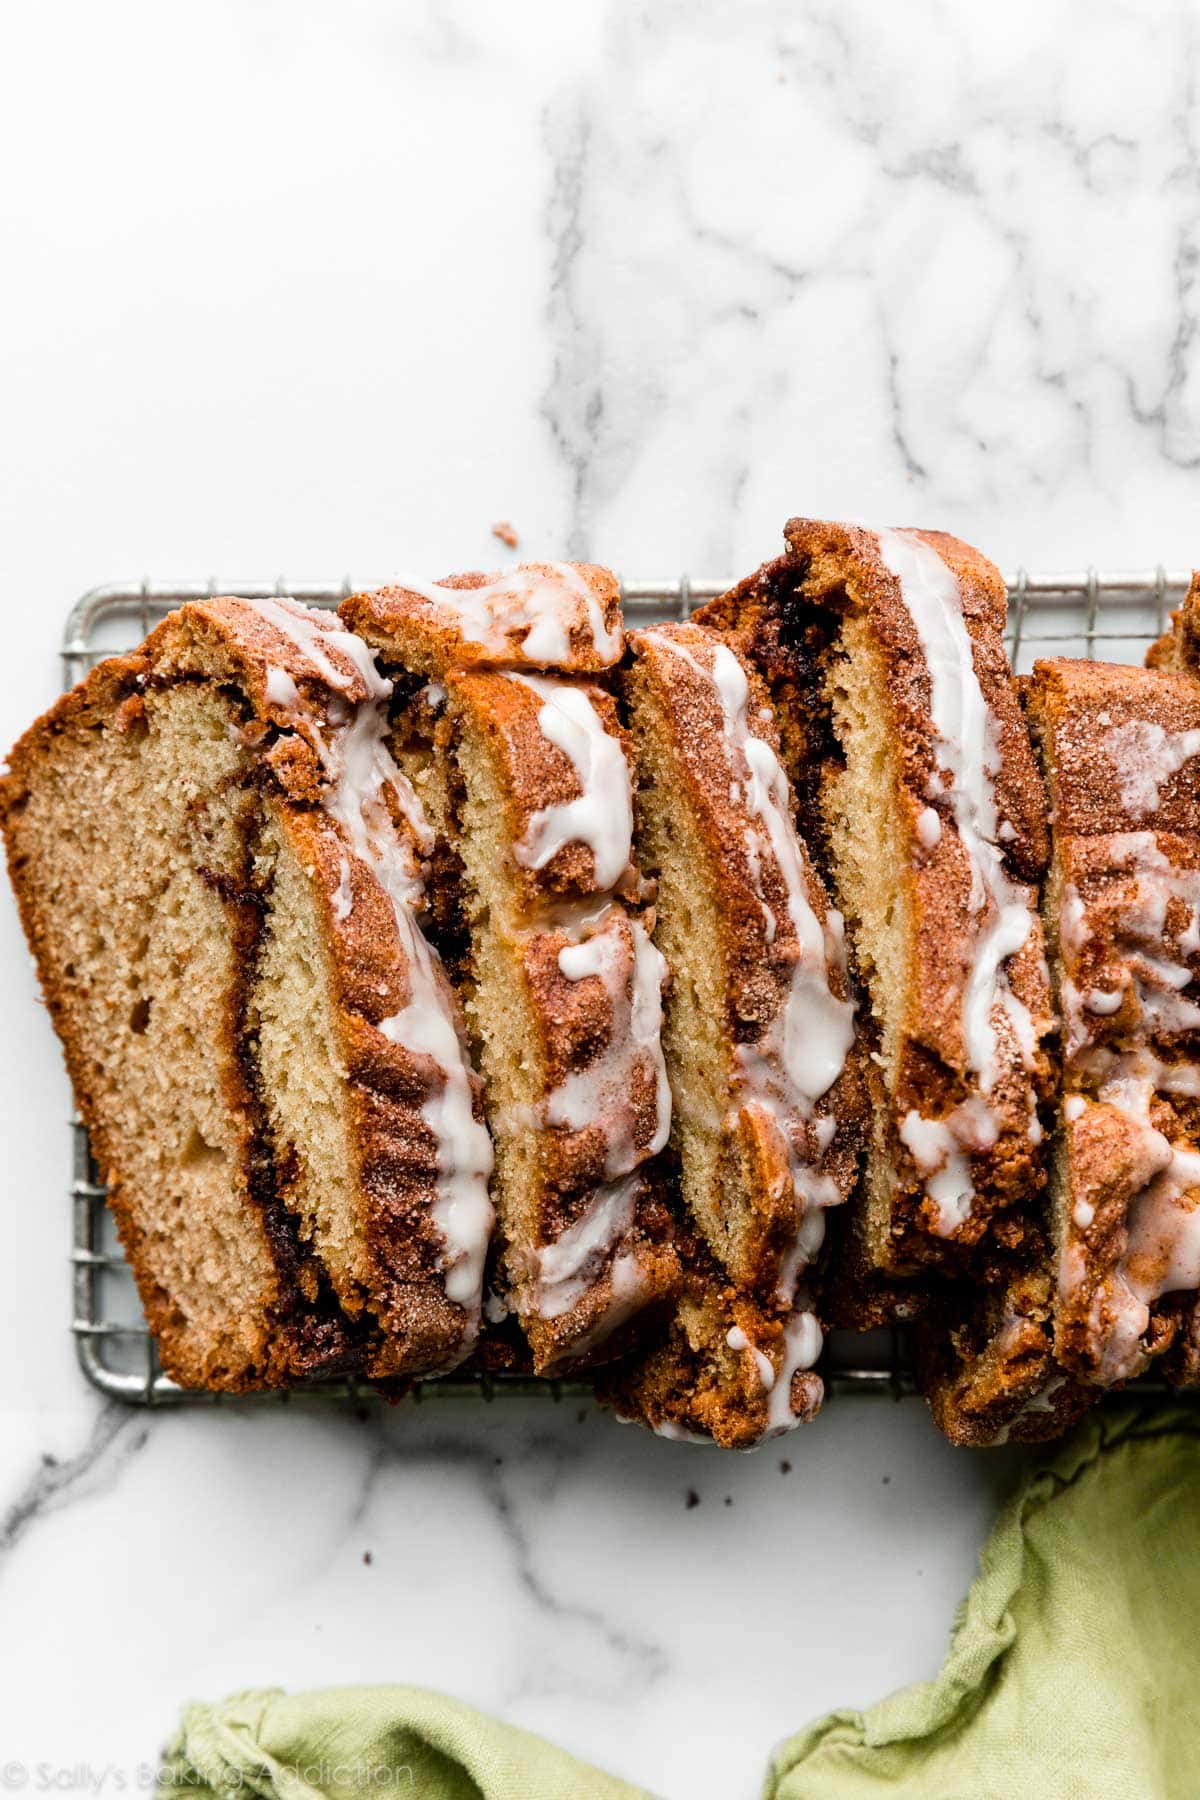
x=384, y=1743
x=1073, y=1673
x=1074, y=1668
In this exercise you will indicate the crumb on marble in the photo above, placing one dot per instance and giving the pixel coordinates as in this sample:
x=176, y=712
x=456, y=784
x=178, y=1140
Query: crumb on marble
x=785, y=1468
x=693, y=1499
x=368, y=1559
x=506, y=533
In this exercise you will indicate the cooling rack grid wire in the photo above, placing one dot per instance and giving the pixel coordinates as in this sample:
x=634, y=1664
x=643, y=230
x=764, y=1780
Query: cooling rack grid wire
x=1108, y=616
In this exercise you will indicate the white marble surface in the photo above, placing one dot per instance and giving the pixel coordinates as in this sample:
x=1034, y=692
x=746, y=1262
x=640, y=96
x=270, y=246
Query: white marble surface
x=302, y=288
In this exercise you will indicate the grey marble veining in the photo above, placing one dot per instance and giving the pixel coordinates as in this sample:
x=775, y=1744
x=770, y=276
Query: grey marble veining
x=307, y=287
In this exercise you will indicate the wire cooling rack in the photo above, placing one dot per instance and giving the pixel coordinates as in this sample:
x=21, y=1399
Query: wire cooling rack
x=1108, y=616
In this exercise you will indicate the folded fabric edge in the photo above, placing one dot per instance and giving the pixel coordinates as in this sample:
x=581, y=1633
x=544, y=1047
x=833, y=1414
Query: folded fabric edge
x=983, y=1629
x=276, y=1745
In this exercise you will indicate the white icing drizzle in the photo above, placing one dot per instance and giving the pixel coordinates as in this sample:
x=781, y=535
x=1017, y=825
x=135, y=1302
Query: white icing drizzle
x=590, y=956
x=1103, y=1003
x=802, y=1339
x=281, y=689
x=1041, y=1402
x=314, y=635
x=628, y=1290
x=569, y=1267
x=802, y=1050
x=1158, y=883
x=736, y=1338
x=600, y=1092
x=942, y=1148
x=609, y=945
x=1140, y=926
x=1072, y=922
x=674, y=1432
x=602, y=814
x=552, y=601
x=969, y=759
x=343, y=898
x=1101, y=1067
x=360, y=769
x=1159, y=1239
x=814, y=1030
x=1146, y=756
x=1161, y=1253
x=929, y=828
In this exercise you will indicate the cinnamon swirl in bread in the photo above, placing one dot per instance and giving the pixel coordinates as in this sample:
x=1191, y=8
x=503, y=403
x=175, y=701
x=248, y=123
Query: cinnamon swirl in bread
x=525, y=770
x=1121, y=749
x=219, y=869
x=902, y=732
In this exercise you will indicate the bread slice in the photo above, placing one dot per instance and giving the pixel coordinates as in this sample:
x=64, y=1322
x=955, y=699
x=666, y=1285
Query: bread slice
x=902, y=732
x=218, y=871
x=759, y=1037
x=525, y=773
x=759, y=1022
x=1121, y=749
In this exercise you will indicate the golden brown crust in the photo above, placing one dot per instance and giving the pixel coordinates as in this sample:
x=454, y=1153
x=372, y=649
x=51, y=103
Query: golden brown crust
x=422, y=631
